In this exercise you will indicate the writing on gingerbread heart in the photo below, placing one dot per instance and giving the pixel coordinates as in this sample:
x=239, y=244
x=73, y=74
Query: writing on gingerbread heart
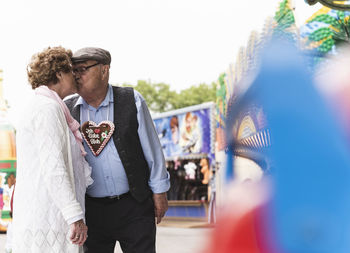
x=97, y=136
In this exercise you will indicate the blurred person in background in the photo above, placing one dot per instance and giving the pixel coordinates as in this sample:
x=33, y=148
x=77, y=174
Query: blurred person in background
x=52, y=174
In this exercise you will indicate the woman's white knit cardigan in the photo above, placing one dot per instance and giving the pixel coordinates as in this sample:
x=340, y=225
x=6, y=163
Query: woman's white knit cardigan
x=49, y=192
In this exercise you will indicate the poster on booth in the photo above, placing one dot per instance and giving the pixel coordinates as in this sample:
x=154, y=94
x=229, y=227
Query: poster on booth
x=7, y=180
x=7, y=172
x=186, y=133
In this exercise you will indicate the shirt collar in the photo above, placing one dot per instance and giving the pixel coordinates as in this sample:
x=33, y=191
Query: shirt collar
x=108, y=99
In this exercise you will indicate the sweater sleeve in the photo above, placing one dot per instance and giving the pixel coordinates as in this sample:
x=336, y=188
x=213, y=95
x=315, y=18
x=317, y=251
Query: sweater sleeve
x=50, y=136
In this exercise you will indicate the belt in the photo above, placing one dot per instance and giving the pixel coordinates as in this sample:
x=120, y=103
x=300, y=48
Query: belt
x=109, y=198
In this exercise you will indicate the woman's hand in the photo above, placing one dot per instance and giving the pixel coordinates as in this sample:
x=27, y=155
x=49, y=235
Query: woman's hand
x=78, y=232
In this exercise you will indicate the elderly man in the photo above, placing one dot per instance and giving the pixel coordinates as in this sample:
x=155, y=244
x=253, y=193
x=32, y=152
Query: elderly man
x=128, y=168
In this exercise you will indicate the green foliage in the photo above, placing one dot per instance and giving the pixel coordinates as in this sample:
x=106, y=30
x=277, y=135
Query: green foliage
x=161, y=98
x=164, y=97
x=196, y=95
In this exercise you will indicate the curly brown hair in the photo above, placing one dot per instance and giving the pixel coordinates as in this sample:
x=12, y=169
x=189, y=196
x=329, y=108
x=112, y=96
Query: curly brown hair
x=44, y=65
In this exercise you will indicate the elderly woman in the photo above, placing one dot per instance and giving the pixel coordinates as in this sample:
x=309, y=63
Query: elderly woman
x=52, y=174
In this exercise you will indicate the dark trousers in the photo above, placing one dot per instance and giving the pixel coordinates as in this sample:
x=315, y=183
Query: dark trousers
x=124, y=220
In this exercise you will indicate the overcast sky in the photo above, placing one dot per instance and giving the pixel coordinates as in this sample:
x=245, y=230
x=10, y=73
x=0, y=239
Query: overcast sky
x=179, y=42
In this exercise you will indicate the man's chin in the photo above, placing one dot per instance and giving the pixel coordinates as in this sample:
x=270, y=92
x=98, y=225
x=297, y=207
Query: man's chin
x=81, y=91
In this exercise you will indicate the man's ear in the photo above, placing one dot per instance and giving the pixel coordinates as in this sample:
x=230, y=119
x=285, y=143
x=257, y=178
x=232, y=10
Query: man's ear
x=105, y=69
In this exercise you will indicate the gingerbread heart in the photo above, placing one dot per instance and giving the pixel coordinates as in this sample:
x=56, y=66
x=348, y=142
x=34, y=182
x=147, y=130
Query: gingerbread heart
x=97, y=136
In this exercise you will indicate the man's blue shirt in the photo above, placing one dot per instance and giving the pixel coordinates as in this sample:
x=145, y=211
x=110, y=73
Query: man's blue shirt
x=107, y=169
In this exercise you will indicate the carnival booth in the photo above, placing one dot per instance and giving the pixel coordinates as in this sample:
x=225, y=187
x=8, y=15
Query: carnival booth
x=7, y=163
x=271, y=113
x=246, y=122
x=188, y=140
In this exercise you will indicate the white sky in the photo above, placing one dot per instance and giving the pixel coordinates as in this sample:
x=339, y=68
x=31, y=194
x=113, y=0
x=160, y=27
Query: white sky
x=179, y=42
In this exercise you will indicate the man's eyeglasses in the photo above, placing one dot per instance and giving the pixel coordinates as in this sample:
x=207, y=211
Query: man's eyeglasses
x=82, y=70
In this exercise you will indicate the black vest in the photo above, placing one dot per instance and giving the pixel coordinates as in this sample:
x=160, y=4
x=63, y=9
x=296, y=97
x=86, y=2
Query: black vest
x=126, y=140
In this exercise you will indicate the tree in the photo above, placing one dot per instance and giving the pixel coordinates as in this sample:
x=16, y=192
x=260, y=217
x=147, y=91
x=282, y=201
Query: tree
x=160, y=97
x=196, y=95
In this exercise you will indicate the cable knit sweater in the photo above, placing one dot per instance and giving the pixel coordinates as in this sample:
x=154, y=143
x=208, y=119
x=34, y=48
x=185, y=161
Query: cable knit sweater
x=52, y=177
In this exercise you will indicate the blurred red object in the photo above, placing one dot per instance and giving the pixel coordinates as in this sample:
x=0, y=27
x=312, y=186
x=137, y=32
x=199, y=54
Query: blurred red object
x=247, y=228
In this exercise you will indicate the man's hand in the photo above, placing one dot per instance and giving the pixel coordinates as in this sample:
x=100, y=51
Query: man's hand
x=160, y=205
x=78, y=232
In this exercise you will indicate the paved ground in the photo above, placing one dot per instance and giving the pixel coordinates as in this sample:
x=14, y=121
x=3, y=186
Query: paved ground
x=169, y=240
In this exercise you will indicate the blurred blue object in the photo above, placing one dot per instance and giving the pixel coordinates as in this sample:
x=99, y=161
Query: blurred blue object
x=311, y=203
x=229, y=165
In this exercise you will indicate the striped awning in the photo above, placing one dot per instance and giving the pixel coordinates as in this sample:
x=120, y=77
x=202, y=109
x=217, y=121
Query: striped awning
x=260, y=139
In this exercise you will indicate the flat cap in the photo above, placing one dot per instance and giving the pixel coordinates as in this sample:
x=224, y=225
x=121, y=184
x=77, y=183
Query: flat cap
x=92, y=53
